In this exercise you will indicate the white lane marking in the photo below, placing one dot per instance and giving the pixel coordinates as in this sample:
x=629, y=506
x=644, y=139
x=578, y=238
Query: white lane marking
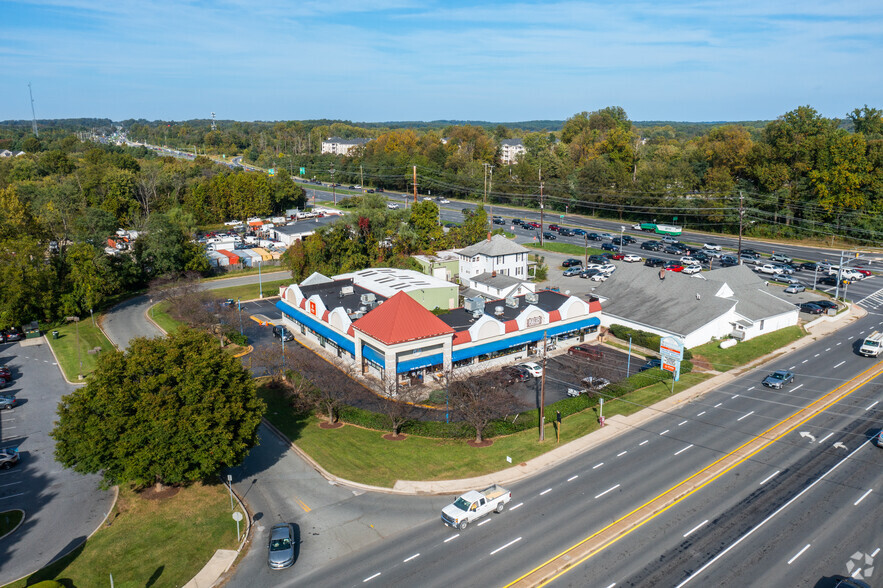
x=696, y=528
x=416, y=555
x=817, y=354
x=862, y=333
x=519, y=505
x=621, y=453
x=828, y=349
x=483, y=522
x=701, y=413
x=718, y=404
x=826, y=436
x=682, y=423
x=458, y=534
x=644, y=442
x=796, y=387
x=612, y=585
x=792, y=367
x=735, y=396
x=570, y=479
x=10, y=484
x=750, y=389
x=664, y=432
x=513, y=542
x=546, y=491
x=684, y=449
x=23, y=493
x=370, y=577
x=804, y=361
x=839, y=364
x=799, y=553
x=751, y=531
x=770, y=477
x=745, y=416
x=873, y=404
x=863, y=496
x=597, y=465
x=876, y=551
x=841, y=343
x=608, y=490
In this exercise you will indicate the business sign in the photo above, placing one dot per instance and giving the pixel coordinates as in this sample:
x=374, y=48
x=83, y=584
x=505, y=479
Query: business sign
x=303, y=171
x=671, y=347
x=312, y=308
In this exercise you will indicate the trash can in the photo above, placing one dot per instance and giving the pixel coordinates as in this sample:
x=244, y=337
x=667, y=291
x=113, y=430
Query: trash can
x=55, y=334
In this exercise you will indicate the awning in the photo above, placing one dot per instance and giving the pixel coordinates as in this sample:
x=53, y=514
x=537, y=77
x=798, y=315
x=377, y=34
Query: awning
x=466, y=352
x=299, y=316
x=420, y=362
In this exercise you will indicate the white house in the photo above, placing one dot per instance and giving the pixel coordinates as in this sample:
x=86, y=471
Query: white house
x=511, y=150
x=497, y=255
x=338, y=146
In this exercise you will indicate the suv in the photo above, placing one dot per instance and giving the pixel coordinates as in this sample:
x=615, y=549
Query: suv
x=669, y=240
x=554, y=228
x=610, y=247
x=498, y=220
x=282, y=333
x=587, y=351
x=654, y=262
x=571, y=262
x=651, y=245
x=780, y=257
x=728, y=261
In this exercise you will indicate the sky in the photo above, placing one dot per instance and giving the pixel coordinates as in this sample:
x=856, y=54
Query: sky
x=403, y=60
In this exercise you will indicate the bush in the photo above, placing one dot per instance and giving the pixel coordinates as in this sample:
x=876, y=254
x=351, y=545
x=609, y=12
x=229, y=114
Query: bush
x=362, y=418
x=237, y=338
x=641, y=338
x=437, y=397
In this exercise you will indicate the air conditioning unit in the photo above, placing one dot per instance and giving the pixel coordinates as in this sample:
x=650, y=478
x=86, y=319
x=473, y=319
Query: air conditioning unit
x=532, y=298
x=346, y=290
x=369, y=297
x=498, y=310
x=512, y=302
x=473, y=304
x=476, y=314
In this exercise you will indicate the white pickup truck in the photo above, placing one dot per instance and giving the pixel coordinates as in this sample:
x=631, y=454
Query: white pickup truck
x=474, y=504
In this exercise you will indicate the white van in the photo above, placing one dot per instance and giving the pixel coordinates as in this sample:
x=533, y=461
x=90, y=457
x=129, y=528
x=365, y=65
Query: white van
x=872, y=345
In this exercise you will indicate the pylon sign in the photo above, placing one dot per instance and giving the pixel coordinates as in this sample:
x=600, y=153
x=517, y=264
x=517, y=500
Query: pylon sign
x=671, y=351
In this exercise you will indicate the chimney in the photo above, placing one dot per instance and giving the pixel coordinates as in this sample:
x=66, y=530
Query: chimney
x=494, y=274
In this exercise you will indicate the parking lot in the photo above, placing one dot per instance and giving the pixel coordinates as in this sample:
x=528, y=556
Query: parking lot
x=61, y=507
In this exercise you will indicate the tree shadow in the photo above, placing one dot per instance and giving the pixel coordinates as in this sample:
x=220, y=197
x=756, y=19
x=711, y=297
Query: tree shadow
x=154, y=576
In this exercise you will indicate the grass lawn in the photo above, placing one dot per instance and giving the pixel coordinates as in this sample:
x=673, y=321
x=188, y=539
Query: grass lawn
x=740, y=354
x=150, y=542
x=567, y=248
x=159, y=312
x=65, y=347
x=246, y=271
x=362, y=455
x=9, y=519
x=251, y=291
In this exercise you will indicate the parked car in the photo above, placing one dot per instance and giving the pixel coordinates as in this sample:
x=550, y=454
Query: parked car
x=651, y=245
x=878, y=440
x=618, y=256
x=589, y=273
x=600, y=277
x=587, y=351
x=282, y=333
x=534, y=369
x=570, y=262
x=692, y=269
x=652, y=363
x=514, y=374
x=674, y=266
x=5, y=372
x=572, y=271
x=281, y=547
x=13, y=334
x=597, y=259
x=7, y=401
x=594, y=383
x=810, y=308
x=778, y=379
x=631, y=258
x=654, y=262
x=712, y=246
x=826, y=304
x=9, y=457
x=780, y=257
x=549, y=236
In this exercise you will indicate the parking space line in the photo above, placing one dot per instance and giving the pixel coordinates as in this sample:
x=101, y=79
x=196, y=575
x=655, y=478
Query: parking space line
x=863, y=496
x=799, y=553
x=750, y=389
x=12, y=495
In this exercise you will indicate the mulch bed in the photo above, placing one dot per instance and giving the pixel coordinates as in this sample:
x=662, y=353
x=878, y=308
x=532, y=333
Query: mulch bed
x=325, y=425
x=485, y=443
x=391, y=437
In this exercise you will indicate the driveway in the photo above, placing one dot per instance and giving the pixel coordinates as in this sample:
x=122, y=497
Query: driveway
x=61, y=507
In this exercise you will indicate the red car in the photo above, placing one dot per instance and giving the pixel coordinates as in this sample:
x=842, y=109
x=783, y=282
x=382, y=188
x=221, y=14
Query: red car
x=534, y=225
x=617, y=256
x=863, y=272
x=5, y=373
x=674, y=267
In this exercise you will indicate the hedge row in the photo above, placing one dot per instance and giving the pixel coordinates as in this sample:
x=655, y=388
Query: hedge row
x=642, y=338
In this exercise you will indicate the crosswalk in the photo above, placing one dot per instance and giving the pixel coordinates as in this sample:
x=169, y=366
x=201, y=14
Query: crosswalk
x=872, y=301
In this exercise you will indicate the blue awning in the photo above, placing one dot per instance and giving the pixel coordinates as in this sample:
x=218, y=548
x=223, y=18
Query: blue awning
x=420, y=362
x=300, y=316
x=463, y=352
x=371, y=354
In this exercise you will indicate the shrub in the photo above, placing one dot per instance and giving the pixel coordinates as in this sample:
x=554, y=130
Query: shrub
x=642, y=338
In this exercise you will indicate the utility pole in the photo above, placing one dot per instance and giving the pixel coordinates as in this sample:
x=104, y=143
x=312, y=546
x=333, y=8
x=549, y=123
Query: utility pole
x=415, y=184
x=33, y=113
x=540, y=173
x=839, y=277
x=333, y=188
x=361, y=178
x=741, y=213
x=543, y=394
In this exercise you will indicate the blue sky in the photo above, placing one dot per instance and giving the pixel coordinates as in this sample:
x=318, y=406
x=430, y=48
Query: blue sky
x=381, y=60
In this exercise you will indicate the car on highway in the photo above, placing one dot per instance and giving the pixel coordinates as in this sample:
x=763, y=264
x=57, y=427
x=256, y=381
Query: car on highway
x=654, y=262
x=549, y=236
x=517, y=222
x=712, y=246
x=651, y=245
x=555, y=228
x=571, y=261
x=674, y=250
x=565, y=232
x=795, y=288
x=778, y=379
x=784, y=279
x=632, y=258
x=533, y=224
x=533, y=368
x=585, y=350
x=694, y=268
x=498, y=220
x=610, y=247
x=444, y=201
x=688, y=260
x=607, y=236
x=673, y=266
x=7, y=401
x=768, y=269
x=750, y=252
x=580, y=232
x=780, y=257
x=827, y=281
x=281, y=548
x=572, y=271
x=669, y=240
x=9, y=457
x=593, y=236
x=810, y=308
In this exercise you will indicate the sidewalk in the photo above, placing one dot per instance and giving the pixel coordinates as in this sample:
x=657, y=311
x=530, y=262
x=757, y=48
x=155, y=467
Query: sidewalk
x=616, y=425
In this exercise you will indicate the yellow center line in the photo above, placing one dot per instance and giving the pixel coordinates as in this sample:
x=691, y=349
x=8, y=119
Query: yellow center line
x=606, y=536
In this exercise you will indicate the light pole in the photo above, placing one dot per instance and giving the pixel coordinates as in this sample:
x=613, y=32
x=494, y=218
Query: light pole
x=260, y=282
x=239, y=304
x=621, y=244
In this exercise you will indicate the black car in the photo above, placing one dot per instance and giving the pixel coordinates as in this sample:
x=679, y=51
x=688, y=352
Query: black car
x=517, y=222
x=651, y=245
x=629, y=239
x=579, y=232
x=379, y=190
x=750, y=253
x=498, y=220
x=13, y=334
x=728, y=261
x=810, y=265
x=701, y=256
x=653, y=363
x=674, y=250
x=654, y=262
x=549, y=235
x=588, y=273
x=593, y=236
x=610, y=247
x=827, y=280
x=811, y=308
x=598, y=259
x=826, y=304
x=565, y=232
x=571, y=262
x=514, y=374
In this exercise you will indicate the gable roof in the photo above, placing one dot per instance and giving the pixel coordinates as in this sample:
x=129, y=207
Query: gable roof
x=497, y=245
x=512, y=142
x=401, y=319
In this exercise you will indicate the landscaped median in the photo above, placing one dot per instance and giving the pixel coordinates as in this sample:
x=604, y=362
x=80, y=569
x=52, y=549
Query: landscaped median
x=158, y=541
x=78, y=347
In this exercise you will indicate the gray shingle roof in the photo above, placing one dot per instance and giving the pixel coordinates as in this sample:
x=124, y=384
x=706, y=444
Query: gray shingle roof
x=499, y=281
x=497, y=246
x=512, y=142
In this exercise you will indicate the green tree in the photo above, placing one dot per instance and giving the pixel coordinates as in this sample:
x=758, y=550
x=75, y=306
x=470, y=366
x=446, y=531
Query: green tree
x=167, y=411
x=424, y=220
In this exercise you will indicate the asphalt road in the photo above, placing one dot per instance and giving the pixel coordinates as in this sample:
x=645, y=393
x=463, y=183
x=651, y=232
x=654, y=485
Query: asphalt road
x=556, y=510
x=61, y=507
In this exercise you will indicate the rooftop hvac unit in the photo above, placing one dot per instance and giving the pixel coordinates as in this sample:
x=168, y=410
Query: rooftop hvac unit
x=532, y=298
x=356, y=316
x=473, y=304
x=498, y=310
x=346, y=290
x=369, y=297
x=476, y=314
x=363, y=309
x=512, y=302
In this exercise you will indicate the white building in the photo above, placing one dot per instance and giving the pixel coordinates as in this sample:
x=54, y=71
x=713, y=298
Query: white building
x=497, y=255
x=511, y=150
x=338, y=146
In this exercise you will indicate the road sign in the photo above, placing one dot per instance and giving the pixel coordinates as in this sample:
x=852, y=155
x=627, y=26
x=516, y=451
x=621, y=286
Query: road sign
x=303, y=171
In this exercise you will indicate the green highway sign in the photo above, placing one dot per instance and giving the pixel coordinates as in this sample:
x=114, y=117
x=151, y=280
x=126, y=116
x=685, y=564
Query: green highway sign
x=303, y=171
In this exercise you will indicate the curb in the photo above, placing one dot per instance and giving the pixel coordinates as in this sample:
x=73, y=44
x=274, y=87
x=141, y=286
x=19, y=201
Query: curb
x=615, y=425
x=58, y=364
x=15, y=528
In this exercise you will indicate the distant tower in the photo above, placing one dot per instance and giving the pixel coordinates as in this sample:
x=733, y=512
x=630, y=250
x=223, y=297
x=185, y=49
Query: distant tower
x=214, y=127
x=33, y=113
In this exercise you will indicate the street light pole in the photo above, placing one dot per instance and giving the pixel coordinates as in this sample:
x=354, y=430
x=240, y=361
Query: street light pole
x=239, y=304
x=260, y=282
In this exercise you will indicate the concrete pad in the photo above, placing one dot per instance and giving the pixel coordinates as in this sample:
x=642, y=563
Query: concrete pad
x=217, y=565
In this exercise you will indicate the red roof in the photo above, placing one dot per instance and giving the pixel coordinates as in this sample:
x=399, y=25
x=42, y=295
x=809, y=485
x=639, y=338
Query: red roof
x=400, y=319
x=461, y=337
x=554, y=316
